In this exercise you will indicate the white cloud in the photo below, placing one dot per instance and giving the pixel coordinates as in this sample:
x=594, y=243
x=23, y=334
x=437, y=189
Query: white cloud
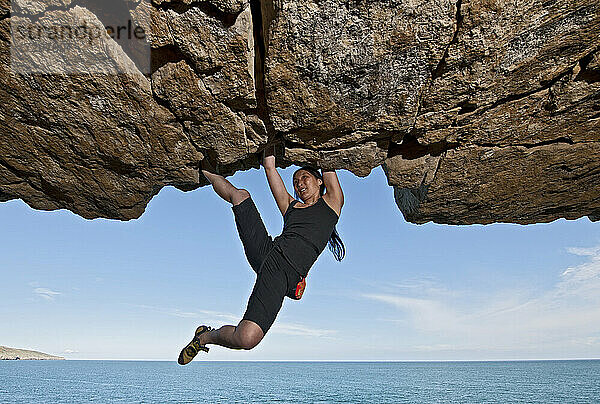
x=566, y=315
x=70, y=351
x=592, y=341
x=180, y=313
x=426, y=314
x=222, y=316
x=299, y=329
x=424, y=286
x=215, y=318
x=594, y=252
x=46, y=293
x=207, y=316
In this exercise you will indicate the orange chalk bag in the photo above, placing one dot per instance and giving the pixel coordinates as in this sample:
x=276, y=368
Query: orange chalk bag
x=300, y=289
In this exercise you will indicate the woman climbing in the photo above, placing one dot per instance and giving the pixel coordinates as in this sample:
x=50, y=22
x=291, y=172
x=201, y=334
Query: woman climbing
x=281, y=264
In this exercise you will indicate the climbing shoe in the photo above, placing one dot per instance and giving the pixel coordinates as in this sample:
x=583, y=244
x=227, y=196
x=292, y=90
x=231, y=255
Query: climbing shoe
x=191, y=350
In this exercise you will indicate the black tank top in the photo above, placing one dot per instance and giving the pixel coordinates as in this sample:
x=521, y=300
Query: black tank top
x=305, y=234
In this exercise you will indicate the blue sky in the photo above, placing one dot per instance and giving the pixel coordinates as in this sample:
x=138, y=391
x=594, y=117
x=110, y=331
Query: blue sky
x=104, y=289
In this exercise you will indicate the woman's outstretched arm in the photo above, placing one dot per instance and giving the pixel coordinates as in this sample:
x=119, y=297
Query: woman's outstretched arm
x=334, y=194
x=280, y=193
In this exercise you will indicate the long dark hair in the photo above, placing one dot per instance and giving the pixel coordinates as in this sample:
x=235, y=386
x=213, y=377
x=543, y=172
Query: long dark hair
x=335, y=243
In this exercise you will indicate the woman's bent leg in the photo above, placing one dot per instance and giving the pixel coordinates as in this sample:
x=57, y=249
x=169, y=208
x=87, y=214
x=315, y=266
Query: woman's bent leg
x=254, y=236
x=252, y=231
x=246, y=335
x=263, y=306
x=224, y=188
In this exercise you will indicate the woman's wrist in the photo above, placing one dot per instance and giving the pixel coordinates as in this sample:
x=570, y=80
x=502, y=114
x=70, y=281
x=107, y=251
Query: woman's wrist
x=268, y=162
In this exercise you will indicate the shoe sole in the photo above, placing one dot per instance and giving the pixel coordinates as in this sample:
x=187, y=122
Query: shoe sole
x=193, y=347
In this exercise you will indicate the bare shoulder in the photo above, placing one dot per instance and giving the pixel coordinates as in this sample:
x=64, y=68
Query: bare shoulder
x=334, y=203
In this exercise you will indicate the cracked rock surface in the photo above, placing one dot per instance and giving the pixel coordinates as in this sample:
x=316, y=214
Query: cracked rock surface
x=479, y=111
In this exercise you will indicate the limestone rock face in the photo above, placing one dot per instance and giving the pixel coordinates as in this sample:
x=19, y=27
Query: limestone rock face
x=484, y=180
x=335, y=66
x=4, y=8
x=478, y=111
x=33, y=7
x=517, y=76
x=97, y=144
x=226, y=6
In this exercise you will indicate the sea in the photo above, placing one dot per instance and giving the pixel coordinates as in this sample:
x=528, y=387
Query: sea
x=71, y=381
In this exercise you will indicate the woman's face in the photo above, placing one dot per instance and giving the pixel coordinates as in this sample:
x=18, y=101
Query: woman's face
x=306, y=185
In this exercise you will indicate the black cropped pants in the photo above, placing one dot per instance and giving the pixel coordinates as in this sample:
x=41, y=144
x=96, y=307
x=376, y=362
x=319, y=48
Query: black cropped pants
x=275, y=278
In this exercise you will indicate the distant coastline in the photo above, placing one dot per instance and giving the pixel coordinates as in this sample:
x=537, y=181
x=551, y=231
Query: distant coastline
x=7, y=353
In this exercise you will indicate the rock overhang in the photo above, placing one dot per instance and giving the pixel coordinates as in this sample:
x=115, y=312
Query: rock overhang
x=479, y=112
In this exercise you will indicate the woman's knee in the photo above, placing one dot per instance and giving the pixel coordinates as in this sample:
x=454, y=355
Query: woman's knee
x=239, y=196
x=249, y=334
x=249, y=341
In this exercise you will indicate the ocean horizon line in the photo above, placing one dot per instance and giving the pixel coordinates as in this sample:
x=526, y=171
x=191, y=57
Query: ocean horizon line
x=342, y=361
